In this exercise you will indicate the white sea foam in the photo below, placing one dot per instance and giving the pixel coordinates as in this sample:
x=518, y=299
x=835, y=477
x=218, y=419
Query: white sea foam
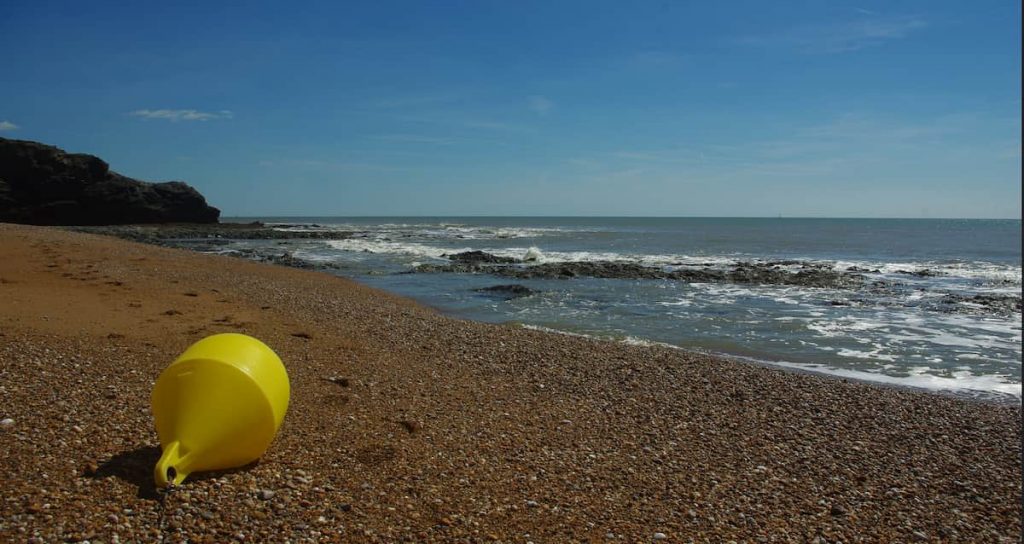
x=556, y=331
x=312, y=256
x=1004, y=277
x=1001, y=278
x=843, y=326
x=635, y=341
x=538, y=255
x=975, y=270
x=486, y=233
x=875, y=355
x=533, y=255
x=430, y=231
x=921, y=377
x=369, y=245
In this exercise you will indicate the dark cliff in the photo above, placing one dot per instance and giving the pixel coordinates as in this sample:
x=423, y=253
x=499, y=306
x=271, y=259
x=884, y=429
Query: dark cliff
x=44, y=185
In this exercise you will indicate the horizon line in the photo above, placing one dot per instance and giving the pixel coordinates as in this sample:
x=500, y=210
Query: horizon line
x=514, y=216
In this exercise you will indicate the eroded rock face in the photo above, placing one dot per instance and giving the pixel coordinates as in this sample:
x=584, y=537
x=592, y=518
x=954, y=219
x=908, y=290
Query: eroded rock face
x=44, y=185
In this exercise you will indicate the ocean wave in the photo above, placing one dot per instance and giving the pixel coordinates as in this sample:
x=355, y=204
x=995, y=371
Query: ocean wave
x=973, y=270
x=433, y=231
x=988, y=277
x=542, y=256
x=919, y=377
x=369, y=245
x=962, y=381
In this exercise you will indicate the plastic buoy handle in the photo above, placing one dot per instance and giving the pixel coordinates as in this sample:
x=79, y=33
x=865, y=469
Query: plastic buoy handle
x=172, y=468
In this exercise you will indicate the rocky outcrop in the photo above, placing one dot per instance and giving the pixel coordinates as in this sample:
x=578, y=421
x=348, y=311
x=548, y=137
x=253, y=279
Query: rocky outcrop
x=507, y=292
x=479, y=257
x=995, y=303
x=768, y=273
x=44, y=185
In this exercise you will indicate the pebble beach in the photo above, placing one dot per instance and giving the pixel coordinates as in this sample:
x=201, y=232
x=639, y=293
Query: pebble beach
x=409, y=425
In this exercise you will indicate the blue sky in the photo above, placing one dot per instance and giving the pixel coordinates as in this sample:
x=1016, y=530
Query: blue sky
x=848, y=109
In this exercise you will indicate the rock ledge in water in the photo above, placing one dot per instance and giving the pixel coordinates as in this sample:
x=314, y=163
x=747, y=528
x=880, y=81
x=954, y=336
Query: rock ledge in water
x=507, y=292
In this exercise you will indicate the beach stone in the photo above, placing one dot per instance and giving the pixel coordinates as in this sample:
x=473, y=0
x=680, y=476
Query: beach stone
x=6, y=422
x=266, y=494
x=658, y=438
x=660, y=536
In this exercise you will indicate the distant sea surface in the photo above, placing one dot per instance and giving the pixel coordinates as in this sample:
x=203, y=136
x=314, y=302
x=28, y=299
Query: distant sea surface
x=923, y=317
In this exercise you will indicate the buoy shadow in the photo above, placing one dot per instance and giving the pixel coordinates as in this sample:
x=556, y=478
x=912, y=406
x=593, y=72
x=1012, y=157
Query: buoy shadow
x=136, y=468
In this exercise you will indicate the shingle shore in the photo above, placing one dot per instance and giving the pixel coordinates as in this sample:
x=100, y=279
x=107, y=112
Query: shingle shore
x=408, y=425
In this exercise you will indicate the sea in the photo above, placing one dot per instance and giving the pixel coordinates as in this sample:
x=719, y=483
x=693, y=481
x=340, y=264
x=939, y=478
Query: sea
x=938, y=308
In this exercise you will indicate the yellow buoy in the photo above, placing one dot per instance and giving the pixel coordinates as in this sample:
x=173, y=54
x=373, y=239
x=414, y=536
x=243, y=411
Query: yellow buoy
x=218, y=406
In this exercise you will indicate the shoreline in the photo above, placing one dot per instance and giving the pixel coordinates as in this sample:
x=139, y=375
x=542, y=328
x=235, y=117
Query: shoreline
x=202, y=238
x=452, y=430
x=971, y=395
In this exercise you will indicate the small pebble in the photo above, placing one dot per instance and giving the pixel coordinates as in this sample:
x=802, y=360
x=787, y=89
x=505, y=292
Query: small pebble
x=660, y=536
x=6, y=422
x=266, y=494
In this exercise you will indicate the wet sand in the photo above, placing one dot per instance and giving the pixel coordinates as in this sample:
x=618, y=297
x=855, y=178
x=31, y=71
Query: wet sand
x=406, y=424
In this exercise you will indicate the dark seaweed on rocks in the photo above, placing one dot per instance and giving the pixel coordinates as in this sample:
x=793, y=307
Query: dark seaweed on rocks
x=770, y=273
x=507, y=292
x=996, y=303
x=480, y=257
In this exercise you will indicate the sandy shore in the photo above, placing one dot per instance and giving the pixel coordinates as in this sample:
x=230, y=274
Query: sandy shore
x=409, y=425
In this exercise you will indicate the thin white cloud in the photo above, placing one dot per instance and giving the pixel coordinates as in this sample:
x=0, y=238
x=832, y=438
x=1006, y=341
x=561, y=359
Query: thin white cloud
x=182, y=115
x=7, y=125
x=539, y=104
x=839, y=37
